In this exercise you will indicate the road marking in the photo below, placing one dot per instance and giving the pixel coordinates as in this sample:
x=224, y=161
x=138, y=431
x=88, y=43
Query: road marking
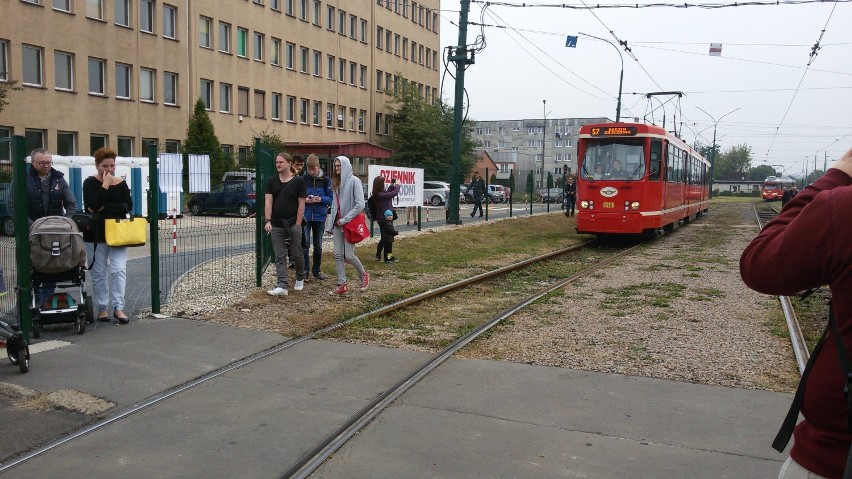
x=47, y=346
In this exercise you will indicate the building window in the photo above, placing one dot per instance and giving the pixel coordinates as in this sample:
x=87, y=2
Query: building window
x=396, y=44
x=224, y=98
x=388, y=34
x=170, y=88
x=317, y=63
x=380, y=75
x=291, y=109
x=362, y=77
x=63, y=64
x=329, y=115
x=204, y=26
x=363, y=31
x=147, y=144
x=353, y=71
x=224, y=37
x=352, y=119
x=4, y=61
x=353, y=26
x=341, y=112
x=242, y=38
x=378, y=123
x=172, y=146
x=361, y=115
x=341, y=22
x=405, y=8
x=146, y=16
x=123, y=74
x=380, y=36
x=96, y=142
x=275, y=54
x=146, y=84
x=317, y=13
x=33, y=139
x=122, y=13
x=303, y=59
x=169, y=21
x=96, y=76
x=303, y=10
x=125, y=146
x=315, y=113
x=329, y=19
x=289, y=53
x=288, y=7
x=33, y=65
x=258, y=46
x=62, y=5
x=66, y=143
x=205, y=92
x=330, y=70
x=95, y=9
x=243, y=101
x=304, y=104
x=275, y=5
x=259, y=104
x=276, y=106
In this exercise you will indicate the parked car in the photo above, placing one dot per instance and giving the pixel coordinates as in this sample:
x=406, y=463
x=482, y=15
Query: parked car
x=229, y=197
x=496, y=194
x=7, y=223
x=552, y=195
x=243, y=174
x=436, y=192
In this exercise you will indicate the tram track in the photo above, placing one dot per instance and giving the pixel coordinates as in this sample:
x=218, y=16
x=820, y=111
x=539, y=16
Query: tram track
x=797, y=338
x=383, y=310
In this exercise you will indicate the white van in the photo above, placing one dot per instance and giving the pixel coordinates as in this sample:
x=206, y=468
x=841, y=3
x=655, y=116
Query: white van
x=241, y=175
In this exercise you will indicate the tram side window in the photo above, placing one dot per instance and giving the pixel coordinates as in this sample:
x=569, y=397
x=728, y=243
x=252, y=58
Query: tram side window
x=655, y=163
x=670, y=164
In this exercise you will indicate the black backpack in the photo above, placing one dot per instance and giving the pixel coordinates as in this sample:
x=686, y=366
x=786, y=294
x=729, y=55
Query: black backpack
x=372, y=208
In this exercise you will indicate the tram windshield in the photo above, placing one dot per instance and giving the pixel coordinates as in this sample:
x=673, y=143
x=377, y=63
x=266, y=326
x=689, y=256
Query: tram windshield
x=620, y=159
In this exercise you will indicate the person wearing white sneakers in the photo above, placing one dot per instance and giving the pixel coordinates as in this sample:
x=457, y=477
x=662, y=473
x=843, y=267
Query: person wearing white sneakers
x=346, y=204
x=284, y=210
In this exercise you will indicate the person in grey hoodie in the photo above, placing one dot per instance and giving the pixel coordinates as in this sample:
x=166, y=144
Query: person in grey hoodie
x=346, y=204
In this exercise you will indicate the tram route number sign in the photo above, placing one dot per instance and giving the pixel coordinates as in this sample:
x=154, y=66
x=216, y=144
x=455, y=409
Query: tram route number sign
x=608, y=204
x=614, y=131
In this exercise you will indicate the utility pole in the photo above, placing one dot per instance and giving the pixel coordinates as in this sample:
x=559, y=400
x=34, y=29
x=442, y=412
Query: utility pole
x=459, y=57
x=713, y=151
x=543, y=141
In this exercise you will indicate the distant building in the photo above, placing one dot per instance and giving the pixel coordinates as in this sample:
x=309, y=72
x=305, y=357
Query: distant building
x=127, y=73
x=516, y=146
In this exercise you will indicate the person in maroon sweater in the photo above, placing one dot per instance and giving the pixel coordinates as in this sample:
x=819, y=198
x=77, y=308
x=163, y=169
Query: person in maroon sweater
x=808, y=245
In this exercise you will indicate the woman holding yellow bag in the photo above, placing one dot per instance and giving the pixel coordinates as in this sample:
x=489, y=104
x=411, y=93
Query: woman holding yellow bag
x=108, y=196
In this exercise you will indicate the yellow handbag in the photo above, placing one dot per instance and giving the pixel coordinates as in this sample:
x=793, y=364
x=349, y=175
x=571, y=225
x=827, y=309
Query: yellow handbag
x=125, y=231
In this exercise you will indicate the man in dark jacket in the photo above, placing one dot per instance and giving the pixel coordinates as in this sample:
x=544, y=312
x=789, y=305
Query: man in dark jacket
x=477, y=188
x=569, y=195
x=316, y=209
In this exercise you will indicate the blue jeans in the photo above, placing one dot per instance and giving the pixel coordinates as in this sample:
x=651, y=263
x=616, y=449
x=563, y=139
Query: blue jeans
x=313, y=232
x=108, y=280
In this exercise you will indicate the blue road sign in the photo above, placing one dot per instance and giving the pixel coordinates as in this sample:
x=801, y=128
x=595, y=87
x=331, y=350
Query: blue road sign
x=571, y=41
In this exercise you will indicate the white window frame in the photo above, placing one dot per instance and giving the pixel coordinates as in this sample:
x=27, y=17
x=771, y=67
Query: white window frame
x=148, y=95
x=4, y=60
x=205, y=92
x=316, y=111
x=242, y=31
x=275, y=111
x=205, y=35
x=147, y=16
x=290, y=109
x=101, y=63
x=224, y=37
x=304, y=108
x=123, y=71
x=63, y=5
x=95, y=9
x=173, y=91
x=304, y=59
x=70, y=72
x=317, y=13
x=73, y=136
x=331, y=62
x=169, y=21
x=331, y=15
x=257, y=44
x=225, y=91
x=317, y=64
x=128, y=15
x=275, y=53
x=39, y=60
x=289, y=55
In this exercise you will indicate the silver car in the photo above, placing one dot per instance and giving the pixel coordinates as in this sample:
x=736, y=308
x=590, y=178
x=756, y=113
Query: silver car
x=436, y=192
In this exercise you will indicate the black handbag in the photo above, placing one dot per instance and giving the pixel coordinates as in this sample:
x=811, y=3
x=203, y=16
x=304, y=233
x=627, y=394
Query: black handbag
x=87, y=223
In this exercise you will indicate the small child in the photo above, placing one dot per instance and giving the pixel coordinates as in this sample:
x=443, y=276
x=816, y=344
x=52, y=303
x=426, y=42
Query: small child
x=388, y=233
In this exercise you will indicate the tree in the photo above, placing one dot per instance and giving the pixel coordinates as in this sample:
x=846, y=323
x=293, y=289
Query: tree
x=733, y=164
x=5, y=88
x=201, y=139
x=422, y=134
x=761, y=172
x=272, y=141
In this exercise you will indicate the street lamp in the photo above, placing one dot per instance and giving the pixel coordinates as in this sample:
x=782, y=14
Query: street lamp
x=620, y=79
x=543, y=141
x=713, y=151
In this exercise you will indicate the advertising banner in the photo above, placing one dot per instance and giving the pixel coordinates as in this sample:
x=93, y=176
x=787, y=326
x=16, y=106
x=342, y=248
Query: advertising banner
x=410, y=181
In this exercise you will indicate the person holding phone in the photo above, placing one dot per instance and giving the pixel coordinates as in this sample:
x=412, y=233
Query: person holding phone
x=383, y=200
x=316, y=210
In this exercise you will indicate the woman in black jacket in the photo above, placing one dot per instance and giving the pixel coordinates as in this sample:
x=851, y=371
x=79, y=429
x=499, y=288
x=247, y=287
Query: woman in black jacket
x=109, y=196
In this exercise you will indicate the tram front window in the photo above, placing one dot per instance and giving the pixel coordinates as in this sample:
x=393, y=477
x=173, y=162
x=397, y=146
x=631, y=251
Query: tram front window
x=614, y=160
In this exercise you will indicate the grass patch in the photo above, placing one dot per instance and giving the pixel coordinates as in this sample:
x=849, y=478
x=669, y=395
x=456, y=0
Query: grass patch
x=625, y=300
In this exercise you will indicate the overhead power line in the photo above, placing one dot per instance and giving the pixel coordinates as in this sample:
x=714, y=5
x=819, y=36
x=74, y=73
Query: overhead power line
x=684, y=5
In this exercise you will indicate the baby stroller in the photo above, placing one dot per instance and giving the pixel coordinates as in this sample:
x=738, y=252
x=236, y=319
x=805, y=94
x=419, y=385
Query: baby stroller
x=58, y=266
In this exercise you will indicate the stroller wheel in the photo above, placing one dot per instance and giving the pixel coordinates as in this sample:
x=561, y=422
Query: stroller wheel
x=13, y=355
x=80, y=324
x=23, y=359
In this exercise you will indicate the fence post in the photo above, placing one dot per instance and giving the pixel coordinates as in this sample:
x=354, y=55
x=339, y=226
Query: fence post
x=22, y=230
x=154, y=226
x=511, y=187
x=487, y=196
x=259, y=221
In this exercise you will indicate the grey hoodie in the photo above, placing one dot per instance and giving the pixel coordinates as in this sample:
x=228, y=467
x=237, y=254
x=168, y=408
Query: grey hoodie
x=350, y=196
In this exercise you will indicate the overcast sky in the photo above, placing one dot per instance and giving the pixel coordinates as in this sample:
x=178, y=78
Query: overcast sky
x=788, y=113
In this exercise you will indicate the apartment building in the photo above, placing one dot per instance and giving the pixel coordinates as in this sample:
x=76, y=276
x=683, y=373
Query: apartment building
x=127, y=73
x=543, y=146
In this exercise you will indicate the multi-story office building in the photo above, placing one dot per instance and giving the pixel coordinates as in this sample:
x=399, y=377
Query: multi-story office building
x=519, y=145
x=127, y=73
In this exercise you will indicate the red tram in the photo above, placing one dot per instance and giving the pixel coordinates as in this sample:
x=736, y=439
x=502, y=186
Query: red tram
x=636, y=178
x=773, y=188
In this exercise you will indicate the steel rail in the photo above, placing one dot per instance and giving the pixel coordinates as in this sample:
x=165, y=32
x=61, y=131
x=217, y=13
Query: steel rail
x=797, y=339
x=152, y=400
x=333, y=442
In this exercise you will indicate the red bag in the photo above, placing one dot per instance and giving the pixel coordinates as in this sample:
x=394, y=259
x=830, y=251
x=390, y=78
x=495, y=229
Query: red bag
x=356, y=230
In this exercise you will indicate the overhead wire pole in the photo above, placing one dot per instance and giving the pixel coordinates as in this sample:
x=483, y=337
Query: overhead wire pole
x=713, y=151
x=620, y=79
x=459, y=57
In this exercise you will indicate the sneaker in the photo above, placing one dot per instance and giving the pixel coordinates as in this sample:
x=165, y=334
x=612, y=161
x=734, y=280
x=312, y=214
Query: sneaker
x=300, y=285
x=320, y=276
x=341, y=289
x=277, y=292
x=365, y=281
x=390, y=259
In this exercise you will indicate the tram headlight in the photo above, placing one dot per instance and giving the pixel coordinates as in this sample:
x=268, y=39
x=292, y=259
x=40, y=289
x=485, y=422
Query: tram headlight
x=585, y=204
x=634, y=206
